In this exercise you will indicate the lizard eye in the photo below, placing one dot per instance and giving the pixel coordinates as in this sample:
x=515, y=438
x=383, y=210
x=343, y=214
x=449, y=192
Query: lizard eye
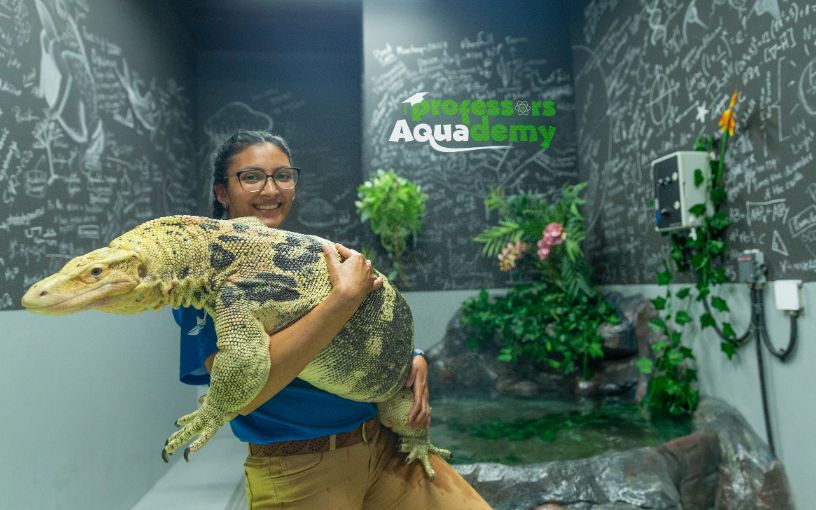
x=142, y=271
x=96, y=271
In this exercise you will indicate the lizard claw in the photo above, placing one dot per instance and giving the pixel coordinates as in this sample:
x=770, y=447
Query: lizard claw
x=420, y=449
x=187, y=454
x=164, y=456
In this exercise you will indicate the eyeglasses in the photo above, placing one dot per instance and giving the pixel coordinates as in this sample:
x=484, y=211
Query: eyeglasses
x=254, y=180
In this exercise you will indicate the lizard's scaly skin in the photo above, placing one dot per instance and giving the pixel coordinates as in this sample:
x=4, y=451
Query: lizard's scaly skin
x=253, y=281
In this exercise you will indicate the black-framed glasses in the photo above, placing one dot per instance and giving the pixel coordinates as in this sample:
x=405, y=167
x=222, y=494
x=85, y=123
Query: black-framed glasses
x=254, y=179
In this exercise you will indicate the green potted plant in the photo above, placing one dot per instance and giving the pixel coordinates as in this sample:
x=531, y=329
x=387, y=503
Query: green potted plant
x=394, y=208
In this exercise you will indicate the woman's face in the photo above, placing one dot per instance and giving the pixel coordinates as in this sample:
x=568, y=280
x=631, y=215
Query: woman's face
x=270, y=205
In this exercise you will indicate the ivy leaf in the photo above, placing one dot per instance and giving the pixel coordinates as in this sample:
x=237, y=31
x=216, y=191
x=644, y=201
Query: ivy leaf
x=683, y=293
x=659, y=303
x=728, y=348
x=664, y=277
x=716, y=247
x=719, y=221
x=657, y=325
x=645, y=365
x=675, y=358
x=707, y=321
x=698, y=177
x=718, y=195
x=719, y=304
x=686, y=352
x=682, y=318
x=676, y=336
x=698, y=209
x=699, y=260
x=719, y=276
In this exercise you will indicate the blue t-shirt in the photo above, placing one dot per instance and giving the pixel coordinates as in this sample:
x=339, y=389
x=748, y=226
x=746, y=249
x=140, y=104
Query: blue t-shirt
x=298, y=411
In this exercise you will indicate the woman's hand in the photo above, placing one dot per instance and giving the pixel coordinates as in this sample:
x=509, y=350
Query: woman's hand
x=352, y=278
x=420, y=414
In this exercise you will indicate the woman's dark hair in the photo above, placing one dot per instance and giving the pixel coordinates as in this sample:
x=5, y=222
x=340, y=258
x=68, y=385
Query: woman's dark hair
x=239, y=141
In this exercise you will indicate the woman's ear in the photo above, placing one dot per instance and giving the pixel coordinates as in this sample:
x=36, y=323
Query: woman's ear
x=221, y=194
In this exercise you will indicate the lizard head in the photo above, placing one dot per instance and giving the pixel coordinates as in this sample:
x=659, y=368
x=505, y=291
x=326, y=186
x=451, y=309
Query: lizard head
x=102, y=279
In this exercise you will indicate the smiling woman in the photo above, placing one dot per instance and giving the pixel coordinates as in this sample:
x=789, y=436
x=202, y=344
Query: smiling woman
x=309, y=448
x=240, y=197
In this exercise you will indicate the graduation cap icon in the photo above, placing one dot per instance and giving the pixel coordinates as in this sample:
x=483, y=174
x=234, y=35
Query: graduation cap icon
x=416, y=98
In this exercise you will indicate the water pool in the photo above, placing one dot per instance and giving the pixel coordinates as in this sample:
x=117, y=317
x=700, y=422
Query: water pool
x=522, y=431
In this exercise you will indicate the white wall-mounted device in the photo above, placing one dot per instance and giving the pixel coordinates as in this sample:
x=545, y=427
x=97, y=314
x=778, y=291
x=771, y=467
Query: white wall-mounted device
x=786, y=294
x=675, y=192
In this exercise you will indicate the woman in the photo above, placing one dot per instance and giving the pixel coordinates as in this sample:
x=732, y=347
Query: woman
x=309, y=448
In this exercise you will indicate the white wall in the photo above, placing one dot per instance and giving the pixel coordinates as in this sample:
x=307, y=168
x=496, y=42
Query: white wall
x=87, y=403
x=432, y=311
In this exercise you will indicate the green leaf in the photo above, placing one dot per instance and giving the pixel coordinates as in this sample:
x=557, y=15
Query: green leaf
x=699, y=260
x=683, y=293
x=682, y=318
x=719, y=276
x=698, y=177
x=659, y=303
x=716, y=247
x=645, y=365
x=728, y=348
x=657, y=325
x=698, y=209
x=664, y=277
x=719, y=221
x=719, y=304
x=676, y=337
x=728, y=331
x=718, y=196
x=707, y=321
x=675, y=357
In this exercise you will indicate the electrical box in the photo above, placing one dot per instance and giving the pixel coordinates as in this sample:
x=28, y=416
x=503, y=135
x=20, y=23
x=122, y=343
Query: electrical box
x=751, y=267
x=786, y=293
x=675, y=191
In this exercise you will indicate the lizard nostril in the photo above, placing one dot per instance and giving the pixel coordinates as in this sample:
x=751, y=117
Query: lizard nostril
x=43, y=293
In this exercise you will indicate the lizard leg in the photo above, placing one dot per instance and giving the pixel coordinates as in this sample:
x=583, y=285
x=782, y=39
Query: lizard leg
x=415, y=442
x=239, y=372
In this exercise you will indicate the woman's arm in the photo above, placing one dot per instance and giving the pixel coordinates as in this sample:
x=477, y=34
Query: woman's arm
x=292, y=348
x=420, y=413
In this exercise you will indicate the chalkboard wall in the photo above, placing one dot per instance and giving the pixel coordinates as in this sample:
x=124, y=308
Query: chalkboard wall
x=96, y=128
x=466, y=50
x=652, y=76
x=110, y=113
x=312, y=99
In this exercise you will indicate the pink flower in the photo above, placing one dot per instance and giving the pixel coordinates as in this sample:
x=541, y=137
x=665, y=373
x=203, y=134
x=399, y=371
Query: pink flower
x=554, y=233
x=543, y=252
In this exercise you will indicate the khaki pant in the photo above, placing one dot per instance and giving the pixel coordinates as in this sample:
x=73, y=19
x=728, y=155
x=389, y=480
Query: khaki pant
x=362, y=476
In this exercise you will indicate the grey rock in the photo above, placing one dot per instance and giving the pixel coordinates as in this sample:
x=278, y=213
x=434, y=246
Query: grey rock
x=749, y=476
x=722, y=465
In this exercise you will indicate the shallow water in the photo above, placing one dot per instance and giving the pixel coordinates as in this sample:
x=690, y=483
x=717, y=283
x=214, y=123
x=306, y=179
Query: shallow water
x=521, y=431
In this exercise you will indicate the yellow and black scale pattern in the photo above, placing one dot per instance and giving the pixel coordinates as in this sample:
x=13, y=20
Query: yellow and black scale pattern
x=253, y=281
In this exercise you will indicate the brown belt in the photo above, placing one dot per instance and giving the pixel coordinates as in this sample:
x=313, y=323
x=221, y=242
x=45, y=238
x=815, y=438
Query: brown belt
x=364, y=432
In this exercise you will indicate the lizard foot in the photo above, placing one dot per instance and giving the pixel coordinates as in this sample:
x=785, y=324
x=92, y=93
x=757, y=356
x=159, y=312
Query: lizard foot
x=199, y=423
x=419, y=449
